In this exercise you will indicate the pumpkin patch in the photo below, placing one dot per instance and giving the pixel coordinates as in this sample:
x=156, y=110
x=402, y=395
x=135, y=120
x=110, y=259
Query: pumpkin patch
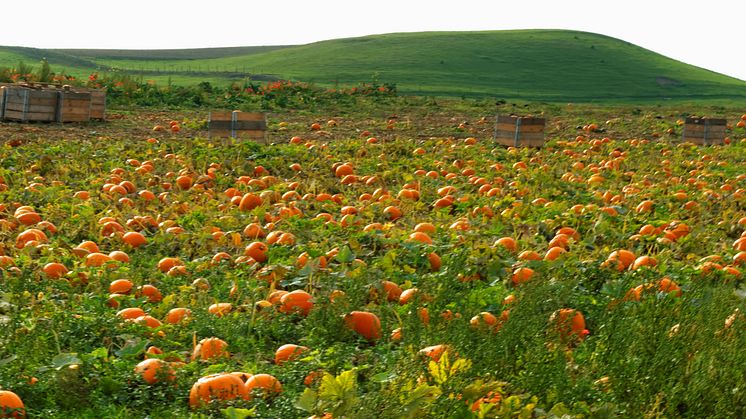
x=367, y=266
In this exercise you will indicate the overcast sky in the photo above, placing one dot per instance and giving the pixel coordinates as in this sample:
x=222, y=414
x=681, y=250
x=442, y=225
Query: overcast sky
x=710, y=34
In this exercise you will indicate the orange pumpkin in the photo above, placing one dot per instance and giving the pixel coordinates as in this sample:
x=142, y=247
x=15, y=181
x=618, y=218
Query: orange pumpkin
x=297, y=301
x=365, y=324
x=224, y=386
x=177, y=315
x=288, y=352
x=433, y=352
x=263, y=384
x=569, y=323
x=210, y=348
x=153, y=370
x=11, y=405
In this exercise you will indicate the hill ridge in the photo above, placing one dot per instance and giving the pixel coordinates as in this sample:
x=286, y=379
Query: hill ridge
x=539, y=64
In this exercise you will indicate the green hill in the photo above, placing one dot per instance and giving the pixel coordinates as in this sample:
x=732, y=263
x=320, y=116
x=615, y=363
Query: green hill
x=550, y=65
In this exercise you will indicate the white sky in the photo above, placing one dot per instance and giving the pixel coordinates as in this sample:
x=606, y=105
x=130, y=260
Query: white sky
x=707, y=34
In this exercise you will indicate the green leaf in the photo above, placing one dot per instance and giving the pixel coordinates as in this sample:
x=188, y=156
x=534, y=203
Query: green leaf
x=460, y=365
x=337, y=394
x=559, y=410
x=62, y=360
x=307, y=400
x=443, y=369
x=418, y=398
x=345, y=255
x=8, y=360
x=99, y=353
x=236, y=413
x=383, y=377
x=133, y=350
x=306, y=270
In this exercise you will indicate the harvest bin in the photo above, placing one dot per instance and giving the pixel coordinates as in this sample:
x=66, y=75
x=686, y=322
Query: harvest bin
x=98, y=102
x=704, y=131
x=26, y=104
x=519, y=131
x=239, y=125
x=50, y=103
x=73, y=106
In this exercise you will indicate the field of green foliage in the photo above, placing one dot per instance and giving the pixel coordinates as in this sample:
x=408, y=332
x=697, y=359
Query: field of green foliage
x=415, y=267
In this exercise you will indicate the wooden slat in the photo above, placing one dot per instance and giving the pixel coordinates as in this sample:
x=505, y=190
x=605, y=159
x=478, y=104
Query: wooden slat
x=511, y=135
x=19, y=107
x=2, y=102
x=74, y=118
x=75, y=111
x=34, y=97
x=699, y=130
x=221, y=116
x=531, y=136
x=523, y=128
x=250, y=116
x=505, y=127
x=29, y=116
x=239, y=134
x=505, y=134
x=77, y=103
x=525, y=120
x=76, y=95
x=238, y=125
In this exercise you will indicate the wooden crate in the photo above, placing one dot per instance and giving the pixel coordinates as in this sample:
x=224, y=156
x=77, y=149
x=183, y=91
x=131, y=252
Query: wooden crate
x=519, y=131
x=239, y=125
x=73, y=106
x=29, y=104
x=98, y=104
x=704, y=131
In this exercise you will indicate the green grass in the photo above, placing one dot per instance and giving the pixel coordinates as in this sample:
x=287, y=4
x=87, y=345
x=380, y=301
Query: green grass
x=546, y=65
x=169, y=54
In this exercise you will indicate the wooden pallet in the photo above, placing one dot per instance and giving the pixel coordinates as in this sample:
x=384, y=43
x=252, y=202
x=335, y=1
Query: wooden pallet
x=239, y=125
x=519, y=131
x=704, y=131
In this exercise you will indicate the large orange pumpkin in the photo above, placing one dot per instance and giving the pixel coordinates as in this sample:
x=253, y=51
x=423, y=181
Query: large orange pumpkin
x=224, y=386
x=288, y=352
x=297, y=301
x=11, y=405
x=152, y=370
x=263, y=384
x=570, y=324
x=364, y=323
x=210, y=348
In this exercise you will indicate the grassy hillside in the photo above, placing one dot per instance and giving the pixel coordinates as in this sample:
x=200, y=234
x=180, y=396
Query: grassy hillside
x=169, y=54
x=552, y=65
